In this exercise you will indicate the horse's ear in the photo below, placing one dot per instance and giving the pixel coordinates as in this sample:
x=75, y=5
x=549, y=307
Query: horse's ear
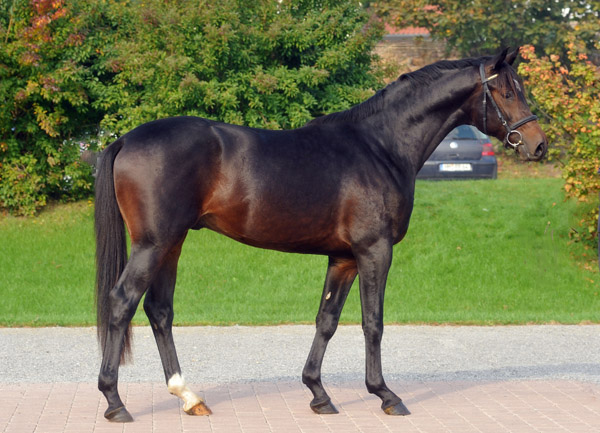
x=510, y=58
x=499, y=59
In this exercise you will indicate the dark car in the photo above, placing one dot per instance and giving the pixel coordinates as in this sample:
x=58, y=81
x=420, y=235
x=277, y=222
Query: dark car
x=465, y=153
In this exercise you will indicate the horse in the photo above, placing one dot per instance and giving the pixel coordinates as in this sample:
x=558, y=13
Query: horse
x=342, y=186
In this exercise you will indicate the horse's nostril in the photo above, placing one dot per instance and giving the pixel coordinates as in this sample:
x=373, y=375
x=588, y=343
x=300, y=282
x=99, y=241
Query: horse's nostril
x=540, y=150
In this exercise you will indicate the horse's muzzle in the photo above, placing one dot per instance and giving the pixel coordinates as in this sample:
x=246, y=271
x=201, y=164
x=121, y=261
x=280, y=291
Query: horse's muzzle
x=526, y=154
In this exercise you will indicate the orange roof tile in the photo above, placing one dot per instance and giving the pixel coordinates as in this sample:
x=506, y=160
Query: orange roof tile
x=407, y=31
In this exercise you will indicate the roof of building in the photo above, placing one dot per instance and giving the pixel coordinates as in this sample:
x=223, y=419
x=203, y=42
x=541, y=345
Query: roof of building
x=406, y=31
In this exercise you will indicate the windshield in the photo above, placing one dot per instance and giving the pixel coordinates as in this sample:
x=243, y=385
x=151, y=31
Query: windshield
x=465, y=132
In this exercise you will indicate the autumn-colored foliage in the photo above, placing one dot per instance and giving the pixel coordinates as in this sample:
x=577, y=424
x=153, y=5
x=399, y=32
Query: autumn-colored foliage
x=479, y=27
x=75, y=74
x=566, y=93
x=48, y=64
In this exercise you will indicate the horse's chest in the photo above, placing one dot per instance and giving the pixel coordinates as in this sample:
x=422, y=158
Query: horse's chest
x=379, y=213
x=399, y=213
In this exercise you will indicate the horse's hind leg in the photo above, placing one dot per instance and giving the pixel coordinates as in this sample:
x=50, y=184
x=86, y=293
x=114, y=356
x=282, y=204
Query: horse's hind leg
x=124, y=299
x=158, y=306
x=340, y=275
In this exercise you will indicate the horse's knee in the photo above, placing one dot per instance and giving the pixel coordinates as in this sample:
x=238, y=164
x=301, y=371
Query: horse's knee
x=327, y=325
x=373, y=330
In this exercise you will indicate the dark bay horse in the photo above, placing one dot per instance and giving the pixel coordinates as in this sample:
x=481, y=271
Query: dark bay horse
x=342, y=186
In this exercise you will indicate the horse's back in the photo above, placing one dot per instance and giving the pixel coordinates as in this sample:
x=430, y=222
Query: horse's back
x=253, y=185
x=281, y=190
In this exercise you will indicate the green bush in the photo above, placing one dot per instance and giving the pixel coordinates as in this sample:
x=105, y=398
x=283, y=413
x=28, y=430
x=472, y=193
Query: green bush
x=21, y=187
x=79, y=74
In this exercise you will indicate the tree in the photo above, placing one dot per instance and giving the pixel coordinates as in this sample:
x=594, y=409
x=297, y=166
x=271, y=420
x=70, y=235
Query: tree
x=479, y=27
x=49, y=60
x=79, y=74
x=566, y=93
x=260, y=63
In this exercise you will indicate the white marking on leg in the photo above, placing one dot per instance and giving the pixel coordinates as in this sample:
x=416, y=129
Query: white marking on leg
x=177, y=386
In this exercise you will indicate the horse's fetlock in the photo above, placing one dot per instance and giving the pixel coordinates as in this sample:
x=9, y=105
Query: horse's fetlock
x=105, y=382
x=310, y=379
x=376, y=386
x=311, y=375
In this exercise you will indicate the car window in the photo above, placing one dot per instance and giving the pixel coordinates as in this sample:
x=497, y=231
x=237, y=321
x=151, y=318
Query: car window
x=463, y=132
x=480, y=134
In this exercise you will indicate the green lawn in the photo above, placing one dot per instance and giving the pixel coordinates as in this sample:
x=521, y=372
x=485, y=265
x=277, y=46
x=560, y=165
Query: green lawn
x=477, y=252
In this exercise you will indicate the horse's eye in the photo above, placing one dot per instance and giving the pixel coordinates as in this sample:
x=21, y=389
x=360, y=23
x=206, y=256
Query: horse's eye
x=509, y=94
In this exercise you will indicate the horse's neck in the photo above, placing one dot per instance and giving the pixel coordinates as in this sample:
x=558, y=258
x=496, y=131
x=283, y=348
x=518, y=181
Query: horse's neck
x=419, y=116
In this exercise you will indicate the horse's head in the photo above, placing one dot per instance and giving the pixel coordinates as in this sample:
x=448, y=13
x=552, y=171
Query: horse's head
x=504, y=112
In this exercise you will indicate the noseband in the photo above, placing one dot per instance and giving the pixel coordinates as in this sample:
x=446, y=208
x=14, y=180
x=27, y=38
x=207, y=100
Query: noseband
x=512, y=129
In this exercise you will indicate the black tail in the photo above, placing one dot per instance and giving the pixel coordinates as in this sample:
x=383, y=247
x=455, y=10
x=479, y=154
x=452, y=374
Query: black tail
x=111, y=244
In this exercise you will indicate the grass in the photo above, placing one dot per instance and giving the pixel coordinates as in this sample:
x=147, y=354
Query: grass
x=477, y=252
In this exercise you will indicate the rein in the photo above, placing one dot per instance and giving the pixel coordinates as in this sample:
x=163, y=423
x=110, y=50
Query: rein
x=512, y=129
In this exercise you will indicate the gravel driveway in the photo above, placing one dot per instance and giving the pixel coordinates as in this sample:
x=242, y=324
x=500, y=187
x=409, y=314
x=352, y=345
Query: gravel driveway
x=277, y=353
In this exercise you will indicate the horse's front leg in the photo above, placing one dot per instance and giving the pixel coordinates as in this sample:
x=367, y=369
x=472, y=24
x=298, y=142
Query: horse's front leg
x=340, y=275
x=373, y=266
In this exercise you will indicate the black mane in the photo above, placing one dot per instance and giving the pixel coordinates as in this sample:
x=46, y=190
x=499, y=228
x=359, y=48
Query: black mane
x=427, y=74
x=358, y=112
x=423, y=76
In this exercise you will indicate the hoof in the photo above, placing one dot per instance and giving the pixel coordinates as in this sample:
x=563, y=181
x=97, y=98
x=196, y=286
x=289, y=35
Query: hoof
x=323, y=408
x=397, y=409
x=199, y=409
x=118, y=415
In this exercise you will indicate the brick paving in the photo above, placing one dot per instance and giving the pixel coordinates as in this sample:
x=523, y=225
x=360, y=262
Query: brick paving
x=451, y=406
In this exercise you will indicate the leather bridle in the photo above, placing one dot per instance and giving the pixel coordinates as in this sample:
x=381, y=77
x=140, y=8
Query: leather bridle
x=510, y=129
